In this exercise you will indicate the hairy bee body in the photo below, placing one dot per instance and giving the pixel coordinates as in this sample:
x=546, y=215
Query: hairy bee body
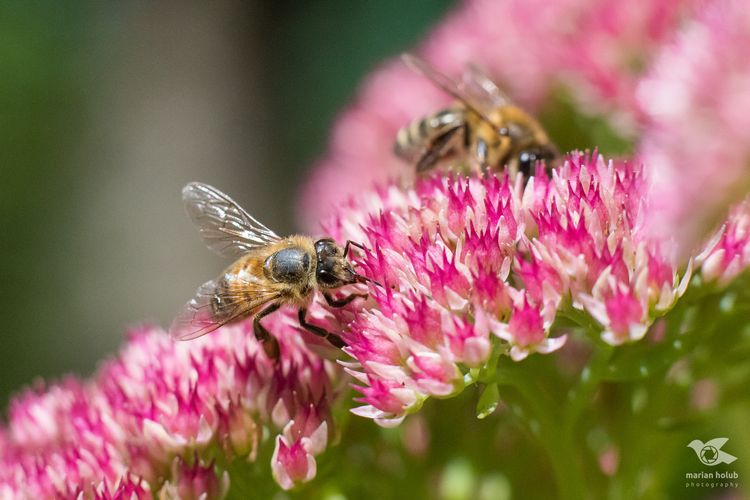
x=513, y=138
x=482, y=130
x=284, y=270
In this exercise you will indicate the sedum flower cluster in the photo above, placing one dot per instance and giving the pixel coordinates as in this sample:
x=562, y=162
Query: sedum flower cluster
x=166, y=418
x=465, y=260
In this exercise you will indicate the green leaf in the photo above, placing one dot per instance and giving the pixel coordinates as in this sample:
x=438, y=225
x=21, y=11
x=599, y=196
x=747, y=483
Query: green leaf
x=488, y=401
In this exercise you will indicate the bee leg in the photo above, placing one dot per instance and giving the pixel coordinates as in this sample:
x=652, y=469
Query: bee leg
x=334, y=339
x=481, y=151
x=437, y=150
x=342, y=302
x=270, y=344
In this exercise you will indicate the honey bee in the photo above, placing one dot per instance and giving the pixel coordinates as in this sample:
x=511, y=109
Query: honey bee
x=484, y=127
x=269, y=271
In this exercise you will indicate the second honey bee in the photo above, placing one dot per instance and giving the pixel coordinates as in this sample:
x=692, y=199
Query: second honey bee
x=269, y=271
x=484, y=128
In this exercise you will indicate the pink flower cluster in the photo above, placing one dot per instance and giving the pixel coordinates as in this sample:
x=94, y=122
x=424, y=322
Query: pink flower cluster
x=155, y=418
x=673, y=75
x=597, y=49
x=728, y=253
x=462, y=259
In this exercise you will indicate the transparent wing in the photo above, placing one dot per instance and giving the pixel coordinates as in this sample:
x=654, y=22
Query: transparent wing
x=210, y=309
x=476, y=103
x=478, y=84
x=225, y=227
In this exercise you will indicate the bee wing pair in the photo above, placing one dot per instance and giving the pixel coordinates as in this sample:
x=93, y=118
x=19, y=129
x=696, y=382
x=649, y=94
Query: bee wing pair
x=476, y=90
x=231, y=232
x=225, y=227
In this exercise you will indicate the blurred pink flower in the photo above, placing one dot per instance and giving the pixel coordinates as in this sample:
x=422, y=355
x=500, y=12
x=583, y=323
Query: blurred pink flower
x=465, y=258
x=596, y=49
x=697, y=138
x=360, y=149
x=161, y=404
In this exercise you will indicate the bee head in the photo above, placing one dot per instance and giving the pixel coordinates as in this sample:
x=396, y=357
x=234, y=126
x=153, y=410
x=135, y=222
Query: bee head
x=527, y=158
x=333, y=270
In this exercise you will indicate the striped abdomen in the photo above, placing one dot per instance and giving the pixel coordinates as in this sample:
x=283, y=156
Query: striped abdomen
x=413, y=139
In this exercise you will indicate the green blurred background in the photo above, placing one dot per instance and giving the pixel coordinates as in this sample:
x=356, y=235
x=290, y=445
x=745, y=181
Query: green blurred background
x=108, y=108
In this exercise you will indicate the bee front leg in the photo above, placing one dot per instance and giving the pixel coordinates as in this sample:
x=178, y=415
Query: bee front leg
x=334, y=339
x=481, y=153
x=349, y=244
x=342, y=302
x=270, y=344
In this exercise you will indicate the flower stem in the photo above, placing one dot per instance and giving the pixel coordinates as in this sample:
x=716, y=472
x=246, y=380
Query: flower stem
x=548, y=425
x=591, y=376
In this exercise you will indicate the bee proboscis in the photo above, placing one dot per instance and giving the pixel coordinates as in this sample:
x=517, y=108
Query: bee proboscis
x=484, y=128
x=268, y=272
